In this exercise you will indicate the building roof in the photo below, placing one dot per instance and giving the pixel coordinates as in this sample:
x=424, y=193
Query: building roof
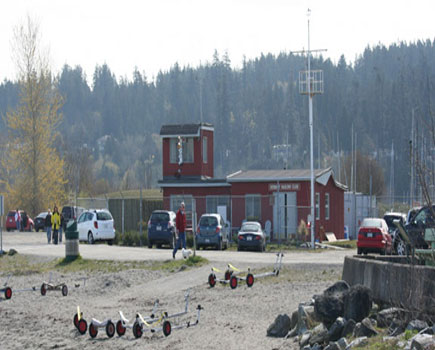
x=321, y=175
x=192, y=181
x=175, y=130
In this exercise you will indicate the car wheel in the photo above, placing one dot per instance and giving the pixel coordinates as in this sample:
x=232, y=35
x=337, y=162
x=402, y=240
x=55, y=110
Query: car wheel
x=359, y=251
x=150, y=244
x=110, y=242
x=91, y=238
x=401, y=248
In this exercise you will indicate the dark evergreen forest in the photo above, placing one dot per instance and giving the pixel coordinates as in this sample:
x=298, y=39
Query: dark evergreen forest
x=115, y=122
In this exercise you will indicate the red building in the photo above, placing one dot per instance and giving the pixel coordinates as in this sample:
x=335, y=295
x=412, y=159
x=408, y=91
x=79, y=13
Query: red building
x=280, y=197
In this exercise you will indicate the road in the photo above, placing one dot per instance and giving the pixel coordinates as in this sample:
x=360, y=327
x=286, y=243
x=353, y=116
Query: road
x=35, y=243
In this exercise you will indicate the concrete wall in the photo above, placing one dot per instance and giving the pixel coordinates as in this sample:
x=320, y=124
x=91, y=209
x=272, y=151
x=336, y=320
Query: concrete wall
x=408, y=286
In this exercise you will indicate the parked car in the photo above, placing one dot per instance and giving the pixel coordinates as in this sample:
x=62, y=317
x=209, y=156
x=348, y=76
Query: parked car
x=251, y=236
x=40, y=221
x=411, y=214
x=71, y=212
x=419, y=222
x=212, y=232
x=12, y=225
x=161, y=228
x=373, y=237
x=96, y=225
x=389, y=218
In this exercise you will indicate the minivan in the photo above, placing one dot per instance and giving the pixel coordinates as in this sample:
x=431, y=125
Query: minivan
x=161, y=228
x=212, y=232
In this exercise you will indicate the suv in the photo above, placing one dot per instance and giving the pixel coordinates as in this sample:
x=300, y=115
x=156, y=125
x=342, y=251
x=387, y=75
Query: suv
x=71, y=212
x=96, y=225
x=161, y=228
x=212, y=231
x=373, y=237
x=27, y=222
x=40, y=221
x=415, y=228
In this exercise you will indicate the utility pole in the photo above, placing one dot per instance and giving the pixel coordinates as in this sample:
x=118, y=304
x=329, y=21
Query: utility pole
x=311, y=83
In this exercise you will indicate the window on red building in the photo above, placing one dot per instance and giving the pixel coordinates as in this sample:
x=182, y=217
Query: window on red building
x=317, y=206
x=326, y=206
x=187, y=144
x=253, y=207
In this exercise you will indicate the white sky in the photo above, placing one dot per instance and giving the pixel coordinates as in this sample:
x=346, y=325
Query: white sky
x=154, y=34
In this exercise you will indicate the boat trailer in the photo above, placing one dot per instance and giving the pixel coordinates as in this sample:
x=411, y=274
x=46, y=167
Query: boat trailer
x=7, y=290
x=233, y=275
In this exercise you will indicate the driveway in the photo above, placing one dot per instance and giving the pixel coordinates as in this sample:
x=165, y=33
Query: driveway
x=35, y=243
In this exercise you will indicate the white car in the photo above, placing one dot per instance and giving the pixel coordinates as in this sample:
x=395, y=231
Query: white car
x=94, y=225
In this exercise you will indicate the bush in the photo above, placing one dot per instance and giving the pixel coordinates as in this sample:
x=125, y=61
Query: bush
x=131, y=239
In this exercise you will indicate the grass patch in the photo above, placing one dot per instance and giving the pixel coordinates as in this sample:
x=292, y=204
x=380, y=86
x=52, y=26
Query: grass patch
x=20, y=265
x=177, y=265
x=343, y=244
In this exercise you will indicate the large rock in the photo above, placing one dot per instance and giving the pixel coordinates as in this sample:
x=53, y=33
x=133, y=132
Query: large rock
x=294, y=319
x=334, y=332
x=319, y=334
x=305, y=338
x=348, y=328
x=362, y=341
x=330, y=304
x=423, y=342
x=305, y=319
x=357, y=303
x=386, y=317
x=280, y=327
x=364, y=329
x=417, y=325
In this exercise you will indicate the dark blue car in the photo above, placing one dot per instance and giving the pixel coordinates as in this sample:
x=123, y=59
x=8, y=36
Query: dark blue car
x=161, y=228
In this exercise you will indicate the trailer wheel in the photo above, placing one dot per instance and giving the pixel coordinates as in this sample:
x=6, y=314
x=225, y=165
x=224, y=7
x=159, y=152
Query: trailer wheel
x=64, y=290
x=76, y=321
x=212, y=280
x=167, y=328
x=233, y=282
x=120, y=329
x=82, y=326
x=110, y=329
x=93, y=331
x=8, y=293
x=43, y=289
x=137, y=330
x=228, y=275
x=249, y=279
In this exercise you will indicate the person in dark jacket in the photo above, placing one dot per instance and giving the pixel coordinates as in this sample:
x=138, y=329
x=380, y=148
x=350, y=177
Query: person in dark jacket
x=48, y=225
x=61, y=227
x=180, y=225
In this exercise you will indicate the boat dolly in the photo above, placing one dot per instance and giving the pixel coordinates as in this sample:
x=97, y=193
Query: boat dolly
x=233, y=275
x=7, y=290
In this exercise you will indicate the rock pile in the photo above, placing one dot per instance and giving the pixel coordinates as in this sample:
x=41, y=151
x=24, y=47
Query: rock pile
x=340, y=312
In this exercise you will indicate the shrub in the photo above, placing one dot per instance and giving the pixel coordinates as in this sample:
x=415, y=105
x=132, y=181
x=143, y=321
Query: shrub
x=131, y=239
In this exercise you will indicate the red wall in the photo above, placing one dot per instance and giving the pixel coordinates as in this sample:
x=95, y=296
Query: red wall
x=197, y=168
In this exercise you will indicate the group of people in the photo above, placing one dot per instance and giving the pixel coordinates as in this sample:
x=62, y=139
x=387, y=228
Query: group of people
x=21, y=220
x=54, y=222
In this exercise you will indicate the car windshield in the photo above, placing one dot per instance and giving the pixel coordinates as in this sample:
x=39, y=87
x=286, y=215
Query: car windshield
x=208, y=221
x=159, y=217
x=250, y=227
x=11, y=213
x=103, y=216
x=389, y=220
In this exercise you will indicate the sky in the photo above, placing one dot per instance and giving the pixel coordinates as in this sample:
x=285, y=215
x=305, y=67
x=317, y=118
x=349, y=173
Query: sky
x=152, y=35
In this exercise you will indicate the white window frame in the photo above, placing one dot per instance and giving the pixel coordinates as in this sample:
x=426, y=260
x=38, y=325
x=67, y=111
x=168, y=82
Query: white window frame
x=317, y=206
x=252, y=197
x=212, y=202
x=327, y=206
x=188, y=144
x=204, y=150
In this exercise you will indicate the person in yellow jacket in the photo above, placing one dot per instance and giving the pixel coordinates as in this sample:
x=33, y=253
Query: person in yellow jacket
x=55, y=224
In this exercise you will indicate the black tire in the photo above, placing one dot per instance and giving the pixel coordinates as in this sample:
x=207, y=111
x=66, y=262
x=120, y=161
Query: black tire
x=93, y=331
x=82, y=326
x=212, y=280
x=150, y=245
x=76, y=321
x=219, y=246
x=43, y=289
x=110, y=329
x=64, y=290
x=233, y=282
x=359, y=251
x=90, y=239
x=110, y=242
x=8, y=293
x=228, y=275
x=249, y=279
x=167, y=328
x=120, y=329
x=137, y=330
x=37, y=229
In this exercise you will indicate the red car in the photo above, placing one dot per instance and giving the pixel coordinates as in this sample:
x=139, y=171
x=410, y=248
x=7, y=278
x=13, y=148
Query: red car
x=373, y=237
x=12, y=225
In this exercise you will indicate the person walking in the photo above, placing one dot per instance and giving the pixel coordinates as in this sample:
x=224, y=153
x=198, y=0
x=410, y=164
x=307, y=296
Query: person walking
x=55, y=224
x=61, y=227
x=48, y=225
x=180, y=225
x=18, y=220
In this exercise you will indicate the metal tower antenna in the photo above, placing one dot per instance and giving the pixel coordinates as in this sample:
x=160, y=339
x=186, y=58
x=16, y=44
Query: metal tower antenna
x=311, y=83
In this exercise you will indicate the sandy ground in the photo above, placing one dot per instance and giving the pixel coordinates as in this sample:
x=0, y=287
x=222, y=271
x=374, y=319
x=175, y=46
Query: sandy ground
x=231, y=319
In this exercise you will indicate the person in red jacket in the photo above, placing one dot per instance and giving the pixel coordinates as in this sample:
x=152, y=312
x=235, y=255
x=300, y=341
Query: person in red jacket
x=180, y=225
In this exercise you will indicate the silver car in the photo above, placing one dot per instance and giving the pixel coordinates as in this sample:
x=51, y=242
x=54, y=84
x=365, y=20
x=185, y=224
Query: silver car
x=251, y=236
